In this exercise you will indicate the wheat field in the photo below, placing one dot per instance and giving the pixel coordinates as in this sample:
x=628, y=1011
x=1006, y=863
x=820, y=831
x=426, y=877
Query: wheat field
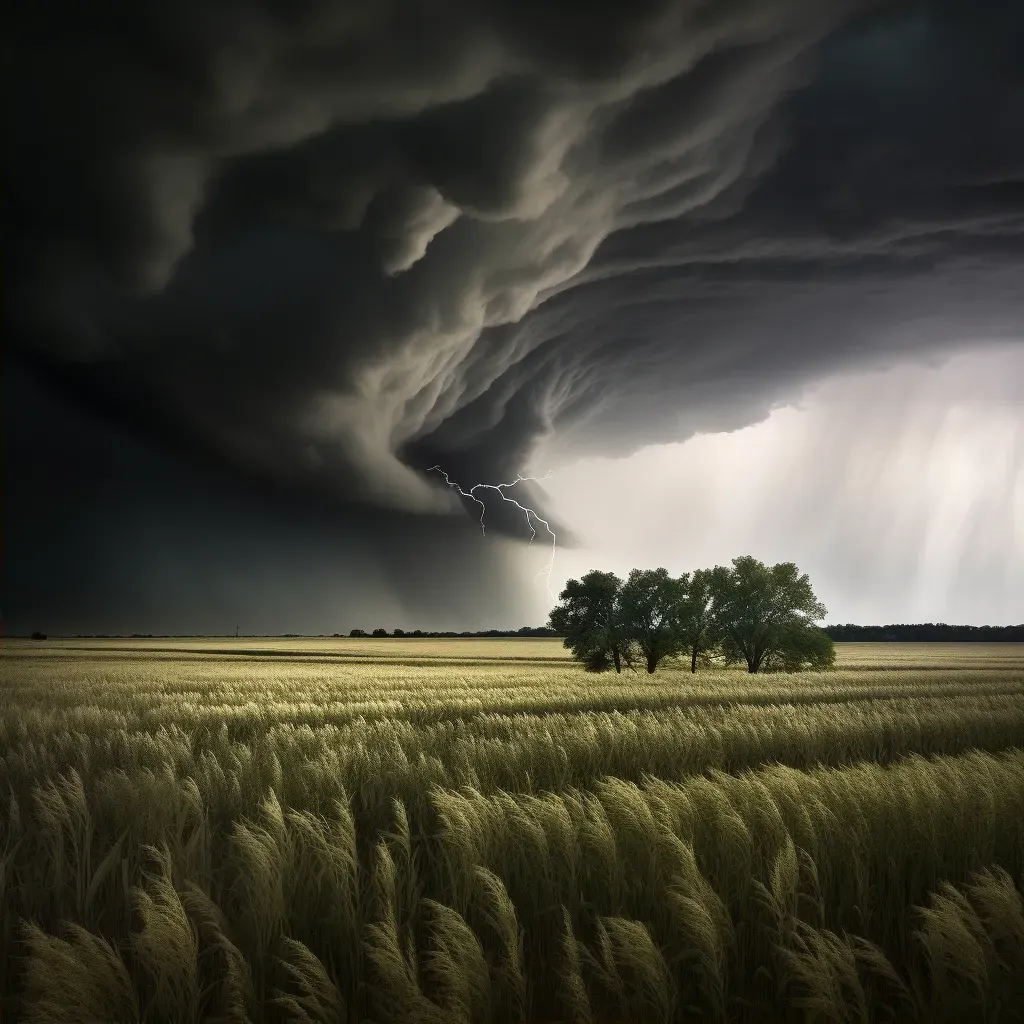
x=304, y=830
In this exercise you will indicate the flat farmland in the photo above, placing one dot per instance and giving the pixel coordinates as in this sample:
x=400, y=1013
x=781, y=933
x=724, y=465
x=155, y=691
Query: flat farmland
x=294, y=829
x=881, y=656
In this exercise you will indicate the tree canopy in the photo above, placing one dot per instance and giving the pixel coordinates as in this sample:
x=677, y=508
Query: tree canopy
x=589, y=617
x=698, y=614
x=767, y=616
x=750, y=613
x=649, y=605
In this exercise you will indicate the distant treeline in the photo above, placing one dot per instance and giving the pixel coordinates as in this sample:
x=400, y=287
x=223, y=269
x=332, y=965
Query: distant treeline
x=450, y=635
x=526, y=631
x=923, y=632
x=926, y=632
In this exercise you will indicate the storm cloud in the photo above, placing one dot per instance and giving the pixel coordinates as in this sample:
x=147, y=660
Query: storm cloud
x=334, y=244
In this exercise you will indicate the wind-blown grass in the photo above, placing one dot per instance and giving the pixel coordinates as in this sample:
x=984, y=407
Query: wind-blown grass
x=310, y=835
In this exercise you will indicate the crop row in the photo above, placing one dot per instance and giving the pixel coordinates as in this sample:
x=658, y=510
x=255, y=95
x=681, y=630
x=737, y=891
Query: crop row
x=233, y=841
x=378, y=759
x=39, y=698
x=748, y=897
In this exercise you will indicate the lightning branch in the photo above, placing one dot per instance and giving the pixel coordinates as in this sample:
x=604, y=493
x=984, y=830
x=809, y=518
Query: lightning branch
x=531, y=515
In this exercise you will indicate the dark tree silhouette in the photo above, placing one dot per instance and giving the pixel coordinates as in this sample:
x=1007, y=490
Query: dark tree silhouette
x=649, y=609
x=698, y=618
x=767, y=616
x=926, y=632
x=588, y=618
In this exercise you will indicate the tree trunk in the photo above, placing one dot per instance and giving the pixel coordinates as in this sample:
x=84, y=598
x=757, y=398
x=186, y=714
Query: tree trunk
x=652, y=663
x=693, y=661
x=617, y=659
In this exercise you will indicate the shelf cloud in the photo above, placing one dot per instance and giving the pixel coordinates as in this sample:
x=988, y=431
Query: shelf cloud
x=329, y=246
x=336, y=245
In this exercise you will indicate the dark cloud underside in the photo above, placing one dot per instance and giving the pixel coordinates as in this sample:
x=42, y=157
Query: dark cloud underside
x=333, y=244
x=102, y=535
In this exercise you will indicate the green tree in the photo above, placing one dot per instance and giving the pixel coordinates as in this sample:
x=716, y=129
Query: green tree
x=699, y=628
x=803, y=645
x=587, y=616
x=767, y=615
x=649, y=604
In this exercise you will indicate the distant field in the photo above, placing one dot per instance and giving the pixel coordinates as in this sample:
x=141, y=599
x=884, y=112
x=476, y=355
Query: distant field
x=543, y=651
x=257, y=648
x=254, y=829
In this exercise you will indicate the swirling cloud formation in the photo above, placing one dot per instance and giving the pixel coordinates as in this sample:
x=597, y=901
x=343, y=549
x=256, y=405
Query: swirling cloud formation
x=335, y=244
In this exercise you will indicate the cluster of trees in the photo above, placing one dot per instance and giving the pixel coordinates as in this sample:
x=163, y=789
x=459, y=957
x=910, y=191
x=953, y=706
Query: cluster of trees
x=749, y=613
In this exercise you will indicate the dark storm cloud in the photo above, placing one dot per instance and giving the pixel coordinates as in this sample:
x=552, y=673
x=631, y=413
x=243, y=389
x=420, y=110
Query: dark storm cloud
x=337, y=243
x=104, y=535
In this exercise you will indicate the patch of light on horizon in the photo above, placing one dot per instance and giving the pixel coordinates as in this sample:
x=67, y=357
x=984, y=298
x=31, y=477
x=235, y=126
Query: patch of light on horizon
x=900, y=491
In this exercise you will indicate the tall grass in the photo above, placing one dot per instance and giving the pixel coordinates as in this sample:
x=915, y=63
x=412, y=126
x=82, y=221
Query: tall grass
x=192, y=836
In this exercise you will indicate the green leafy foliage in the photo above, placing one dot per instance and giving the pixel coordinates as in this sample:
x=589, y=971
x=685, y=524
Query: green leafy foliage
x=759, y=615
x=699, y=615
x=767, y=615
x=649, y=603
x=589, y=617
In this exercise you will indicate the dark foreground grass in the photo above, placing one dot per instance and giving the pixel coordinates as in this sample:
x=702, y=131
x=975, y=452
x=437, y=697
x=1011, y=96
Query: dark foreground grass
x=293, y=830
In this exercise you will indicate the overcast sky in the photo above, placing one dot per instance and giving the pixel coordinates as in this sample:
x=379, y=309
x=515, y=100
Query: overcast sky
x=900, y=491
x=748, y=276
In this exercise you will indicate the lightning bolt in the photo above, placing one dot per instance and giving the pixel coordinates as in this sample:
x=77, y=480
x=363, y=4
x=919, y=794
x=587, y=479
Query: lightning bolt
x=530, y=514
